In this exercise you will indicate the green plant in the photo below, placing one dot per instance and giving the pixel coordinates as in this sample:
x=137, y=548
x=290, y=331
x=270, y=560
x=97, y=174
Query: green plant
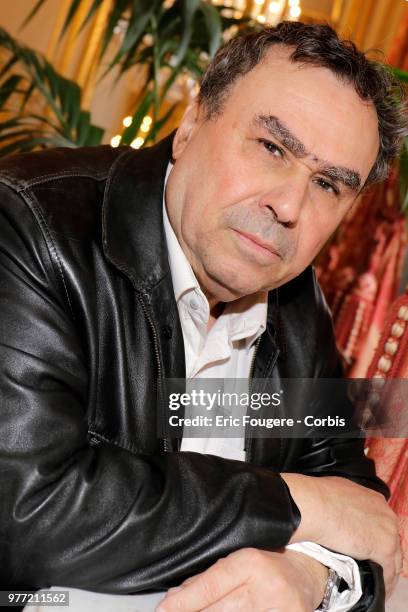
x=169, y=37
x=38, y=106
x=41, y=108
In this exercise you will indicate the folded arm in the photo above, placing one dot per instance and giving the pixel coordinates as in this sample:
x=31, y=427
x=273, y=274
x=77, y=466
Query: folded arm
x=99, y=516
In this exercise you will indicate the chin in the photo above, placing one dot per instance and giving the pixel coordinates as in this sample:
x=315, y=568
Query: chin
x=230, y=284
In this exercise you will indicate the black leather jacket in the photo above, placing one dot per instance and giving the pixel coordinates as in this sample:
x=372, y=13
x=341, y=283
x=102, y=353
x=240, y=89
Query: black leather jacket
x=90, y=496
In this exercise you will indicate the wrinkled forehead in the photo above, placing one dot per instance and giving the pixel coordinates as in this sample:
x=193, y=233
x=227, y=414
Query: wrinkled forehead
x=324, y=112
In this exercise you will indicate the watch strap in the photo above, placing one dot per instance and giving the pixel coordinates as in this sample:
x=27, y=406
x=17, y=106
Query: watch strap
x=332, y=585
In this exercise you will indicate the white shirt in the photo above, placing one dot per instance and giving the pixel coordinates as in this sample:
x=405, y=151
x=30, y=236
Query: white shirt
x=226, y=351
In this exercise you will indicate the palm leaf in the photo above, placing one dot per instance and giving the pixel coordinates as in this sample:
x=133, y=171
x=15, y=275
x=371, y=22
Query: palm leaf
x=32, y=13
x=71, y=13
x=157, y=126
x=214, y=26
x=118, y=11
x=140, y=16
x=26, y=73
x=180, y=33
x=29, y=144
x=401, y=74
x=8, y=88
x=143, y=108
x=188, y=10
x=95, y=6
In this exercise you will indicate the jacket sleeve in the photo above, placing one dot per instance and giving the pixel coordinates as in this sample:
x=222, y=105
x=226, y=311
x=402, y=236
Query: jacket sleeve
x=100, y=517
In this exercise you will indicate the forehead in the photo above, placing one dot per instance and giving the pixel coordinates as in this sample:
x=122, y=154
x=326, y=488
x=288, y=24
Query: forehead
x=322, y=110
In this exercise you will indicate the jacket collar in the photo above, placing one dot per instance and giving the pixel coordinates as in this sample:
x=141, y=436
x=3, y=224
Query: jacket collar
x=132, y=216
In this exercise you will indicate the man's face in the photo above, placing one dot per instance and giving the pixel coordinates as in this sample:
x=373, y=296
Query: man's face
x=256, y=192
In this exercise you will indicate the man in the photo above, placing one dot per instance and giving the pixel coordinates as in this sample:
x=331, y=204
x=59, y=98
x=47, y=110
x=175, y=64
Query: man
x=99, y=286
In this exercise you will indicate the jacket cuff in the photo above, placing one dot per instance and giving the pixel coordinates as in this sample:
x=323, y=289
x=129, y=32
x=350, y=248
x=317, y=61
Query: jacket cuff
x=295, y=514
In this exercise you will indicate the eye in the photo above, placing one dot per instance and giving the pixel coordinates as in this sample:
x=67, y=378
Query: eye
x=273, y=148
x=327, y=186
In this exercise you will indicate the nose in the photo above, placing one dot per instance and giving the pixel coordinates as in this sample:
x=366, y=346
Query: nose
x=286, y=199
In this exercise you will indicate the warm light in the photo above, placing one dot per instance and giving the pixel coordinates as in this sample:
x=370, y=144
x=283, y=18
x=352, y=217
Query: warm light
x=261, y=18
x=127, y=121
x=295, y=11
x=274, y=7
x=260, y=2
x=146, y=123
x=137, y=142
x=148, y=40
x=115, y=140
x=293, y=3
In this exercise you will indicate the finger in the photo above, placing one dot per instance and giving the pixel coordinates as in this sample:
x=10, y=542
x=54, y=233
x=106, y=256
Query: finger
x=203, y=590
x=395, y=576
x=399, y=559
x=390, y=580
x=392, y=572
x=242, y=599
x=236, y=600
x=391, y=589
x=182, y=584
x=191, y=579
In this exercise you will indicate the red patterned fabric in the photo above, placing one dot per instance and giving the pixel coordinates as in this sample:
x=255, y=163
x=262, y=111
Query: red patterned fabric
x=398, y=55
x=391, y=454
x=391, y=459
x=360, y=275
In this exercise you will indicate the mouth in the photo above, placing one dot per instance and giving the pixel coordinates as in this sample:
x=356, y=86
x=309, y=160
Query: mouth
x=257, y=244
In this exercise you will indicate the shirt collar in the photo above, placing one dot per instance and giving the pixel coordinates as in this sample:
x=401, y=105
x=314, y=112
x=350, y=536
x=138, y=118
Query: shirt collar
x=246, y=315
x=182, y=273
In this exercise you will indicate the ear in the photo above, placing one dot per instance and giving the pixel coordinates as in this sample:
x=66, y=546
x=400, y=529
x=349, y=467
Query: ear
x=187, y=128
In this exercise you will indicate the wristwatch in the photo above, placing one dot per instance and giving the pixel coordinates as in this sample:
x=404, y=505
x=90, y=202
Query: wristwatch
x=332, y=586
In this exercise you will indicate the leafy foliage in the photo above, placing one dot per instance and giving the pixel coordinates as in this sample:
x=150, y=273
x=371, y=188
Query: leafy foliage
x=41, y=108
x=181, y=20
x=179, y=36
x=55, y=117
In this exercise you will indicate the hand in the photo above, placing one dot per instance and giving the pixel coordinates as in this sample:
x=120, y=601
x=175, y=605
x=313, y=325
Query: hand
x=348, y=518
x=252, y=579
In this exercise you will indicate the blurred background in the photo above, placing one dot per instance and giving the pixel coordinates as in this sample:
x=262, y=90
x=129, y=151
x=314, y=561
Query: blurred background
x=89, y=72
x=128, y=57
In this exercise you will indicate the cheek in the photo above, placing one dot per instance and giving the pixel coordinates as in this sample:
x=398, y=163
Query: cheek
x=316, y=231
x=232, y=180
x=209, y=200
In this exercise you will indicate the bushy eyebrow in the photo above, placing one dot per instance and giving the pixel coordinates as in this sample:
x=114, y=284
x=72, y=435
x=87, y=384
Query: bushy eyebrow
x=349, y=178
x=274, y=126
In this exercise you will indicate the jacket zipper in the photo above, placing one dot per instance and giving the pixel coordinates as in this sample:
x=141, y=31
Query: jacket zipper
x=248, y=439
x=251, y=369
x=166, y=443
